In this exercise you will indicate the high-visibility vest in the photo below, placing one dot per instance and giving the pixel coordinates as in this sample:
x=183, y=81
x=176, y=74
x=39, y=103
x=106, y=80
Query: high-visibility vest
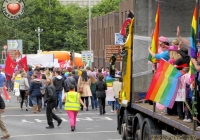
x=72, y=101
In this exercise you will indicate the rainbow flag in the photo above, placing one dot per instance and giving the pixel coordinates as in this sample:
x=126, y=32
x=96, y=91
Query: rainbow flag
x=154, y=43
x=164, y=85
x=193, y=34
x=109, y=80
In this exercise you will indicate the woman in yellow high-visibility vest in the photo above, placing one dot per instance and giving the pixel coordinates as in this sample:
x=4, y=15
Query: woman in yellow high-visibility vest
x=72, y=101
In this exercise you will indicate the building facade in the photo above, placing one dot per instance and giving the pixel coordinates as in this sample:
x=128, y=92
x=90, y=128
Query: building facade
x=80, y=2
x=103, y=31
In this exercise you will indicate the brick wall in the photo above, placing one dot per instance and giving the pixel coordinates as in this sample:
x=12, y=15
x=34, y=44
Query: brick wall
x=103, y=31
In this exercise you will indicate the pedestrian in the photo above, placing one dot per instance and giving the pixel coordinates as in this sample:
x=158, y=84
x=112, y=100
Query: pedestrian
x=50, y=100
x=2, y=126
x=84, y=84
x=72, y=105
x=93, y=90
x=23, y=87
x=58, y=82
x=117, y=85
x=2, y=80
x=35, y=93
x=70, y=81
x=101, y=94
x=42, y=89
x=75, y=76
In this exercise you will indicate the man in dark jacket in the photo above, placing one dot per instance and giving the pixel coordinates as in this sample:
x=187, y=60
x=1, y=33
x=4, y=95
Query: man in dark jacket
x=2, y=126
x=58, y=82
x=50, y=99
x=70, y=81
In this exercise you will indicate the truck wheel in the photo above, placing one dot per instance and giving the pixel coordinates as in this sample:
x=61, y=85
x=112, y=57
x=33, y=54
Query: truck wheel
x=149, y=128
x=146, y=132
x=123, y=128
x=137, y=126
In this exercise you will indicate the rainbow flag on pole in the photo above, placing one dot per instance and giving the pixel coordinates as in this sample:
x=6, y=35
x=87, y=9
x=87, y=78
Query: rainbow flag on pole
x=164, y=85
x=193, y=34
x=154, y=43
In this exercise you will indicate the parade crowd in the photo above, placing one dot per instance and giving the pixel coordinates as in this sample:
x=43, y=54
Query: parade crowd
x=56, y=89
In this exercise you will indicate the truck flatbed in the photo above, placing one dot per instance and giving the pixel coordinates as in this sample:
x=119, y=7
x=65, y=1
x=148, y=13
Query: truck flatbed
x=171, y=120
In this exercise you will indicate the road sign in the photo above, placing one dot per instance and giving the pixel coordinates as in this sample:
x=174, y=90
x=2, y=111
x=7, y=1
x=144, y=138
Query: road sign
x=14, y=54
x=15, y=45
x=87, y=56
x=113, y=49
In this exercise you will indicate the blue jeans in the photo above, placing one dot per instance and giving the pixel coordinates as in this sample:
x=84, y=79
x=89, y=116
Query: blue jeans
x=116, y=104
x=94, y=100
x=109, y=103
x=10, y=85
x=59, y=97
x=36, y=100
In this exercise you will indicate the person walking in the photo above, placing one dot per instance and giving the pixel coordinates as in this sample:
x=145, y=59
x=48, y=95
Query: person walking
x=70, y=81
x=58, y=82
x=101, y=94
x=2, y=126
x=84, y=84
x=42, y=89
x=2, y=80
x=23, y=87
x=93, y=90
x=117, y=85
x=50, y=100
x=72, y=105
x=35, y=93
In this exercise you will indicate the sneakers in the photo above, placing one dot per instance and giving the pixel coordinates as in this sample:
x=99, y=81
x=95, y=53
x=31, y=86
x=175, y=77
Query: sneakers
x=60, y=111
x=187, y=120
x=112, y=111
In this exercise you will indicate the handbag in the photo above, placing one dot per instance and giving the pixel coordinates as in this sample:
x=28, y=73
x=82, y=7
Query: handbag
x=81, y=89
x=26, y=92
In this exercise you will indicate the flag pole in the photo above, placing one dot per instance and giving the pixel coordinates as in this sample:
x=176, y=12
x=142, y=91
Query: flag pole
x=155, y=64
x=195, y=96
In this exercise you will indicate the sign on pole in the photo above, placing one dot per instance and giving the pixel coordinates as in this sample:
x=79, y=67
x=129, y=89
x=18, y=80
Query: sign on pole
x=87, y=56
x=119, y=39
x=15, y=48
x=113, y=49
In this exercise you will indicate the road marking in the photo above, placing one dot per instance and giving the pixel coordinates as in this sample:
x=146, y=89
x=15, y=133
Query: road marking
x=25, y=121
x=74, y=133
x=77, y=119
x=33, y=115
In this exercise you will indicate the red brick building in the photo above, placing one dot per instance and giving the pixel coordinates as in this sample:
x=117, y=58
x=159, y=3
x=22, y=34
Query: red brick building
x=103, y=31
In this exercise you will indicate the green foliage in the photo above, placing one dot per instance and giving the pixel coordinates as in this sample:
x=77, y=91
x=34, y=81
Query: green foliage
x=105, y=6
x=64, y=27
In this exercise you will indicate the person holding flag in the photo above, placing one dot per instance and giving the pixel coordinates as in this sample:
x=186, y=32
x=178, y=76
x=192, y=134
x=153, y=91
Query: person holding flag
x=163, y=47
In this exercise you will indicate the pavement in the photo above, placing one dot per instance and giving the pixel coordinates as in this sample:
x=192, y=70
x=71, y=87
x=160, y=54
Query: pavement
x=24, y=125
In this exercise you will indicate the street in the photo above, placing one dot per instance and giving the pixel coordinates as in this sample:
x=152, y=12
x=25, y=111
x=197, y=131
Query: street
x=24, y=125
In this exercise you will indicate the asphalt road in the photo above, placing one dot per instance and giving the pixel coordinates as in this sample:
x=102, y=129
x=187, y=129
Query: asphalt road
x=24, y=125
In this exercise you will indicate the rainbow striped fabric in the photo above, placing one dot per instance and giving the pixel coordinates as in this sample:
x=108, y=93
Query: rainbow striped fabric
x=109, y=81
x=164, y=85
x=193, y=35
x=154, y=43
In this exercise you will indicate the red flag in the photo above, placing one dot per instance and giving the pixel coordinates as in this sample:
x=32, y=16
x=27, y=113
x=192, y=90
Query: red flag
x=62, y=65
x=22, y=63
x=10, y=65
x=127, y=22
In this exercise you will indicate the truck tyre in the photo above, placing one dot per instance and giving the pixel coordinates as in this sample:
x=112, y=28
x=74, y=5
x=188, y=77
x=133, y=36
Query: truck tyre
x=149, y=129
x=137, y=126
x=123, y=127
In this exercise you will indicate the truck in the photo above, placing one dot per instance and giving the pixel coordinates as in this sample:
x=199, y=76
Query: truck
x=142, y=121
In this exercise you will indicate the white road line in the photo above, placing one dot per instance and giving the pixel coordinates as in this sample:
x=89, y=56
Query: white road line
x=72, y=133
x=32, y=115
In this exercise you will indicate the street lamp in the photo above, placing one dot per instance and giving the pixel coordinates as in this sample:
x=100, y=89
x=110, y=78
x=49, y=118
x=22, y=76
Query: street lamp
x=39, y=31
x=90, y=39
